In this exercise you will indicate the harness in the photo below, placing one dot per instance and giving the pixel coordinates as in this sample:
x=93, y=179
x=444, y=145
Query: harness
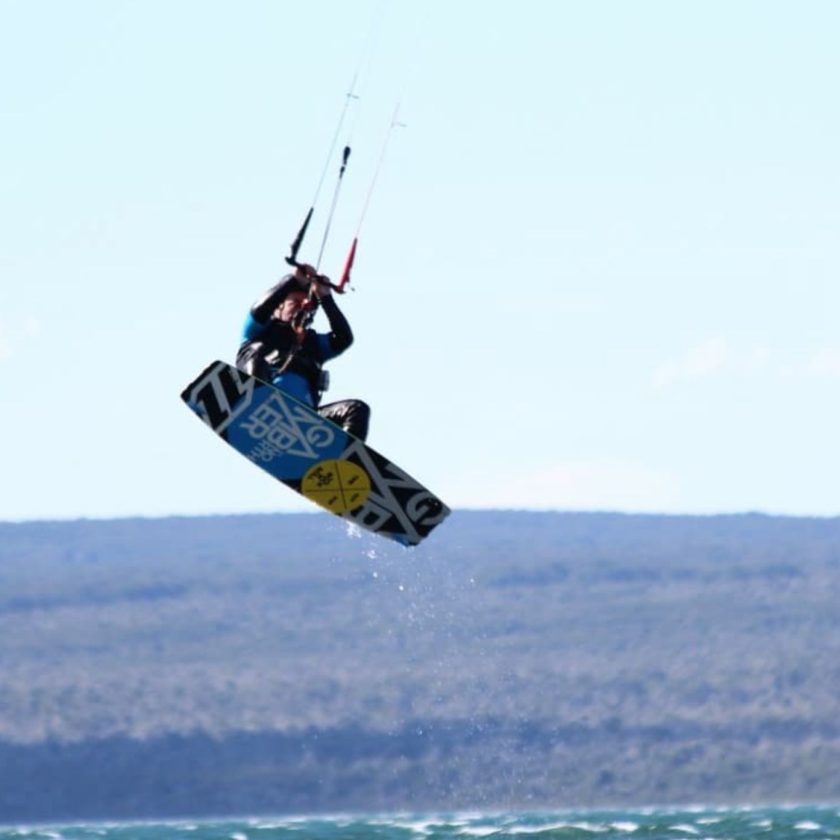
x=284, y=350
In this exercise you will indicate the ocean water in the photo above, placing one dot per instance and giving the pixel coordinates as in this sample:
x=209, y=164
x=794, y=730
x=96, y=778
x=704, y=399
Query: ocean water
x=790, y=823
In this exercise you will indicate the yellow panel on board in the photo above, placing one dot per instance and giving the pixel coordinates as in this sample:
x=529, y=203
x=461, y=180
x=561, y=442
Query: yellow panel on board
x=339, y=486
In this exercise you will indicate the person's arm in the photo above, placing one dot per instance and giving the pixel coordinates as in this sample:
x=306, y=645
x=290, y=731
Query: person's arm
x=262, y=309
x=340, y=336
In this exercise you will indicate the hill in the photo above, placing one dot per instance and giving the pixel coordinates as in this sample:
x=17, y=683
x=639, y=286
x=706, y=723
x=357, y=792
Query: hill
x=266, y=664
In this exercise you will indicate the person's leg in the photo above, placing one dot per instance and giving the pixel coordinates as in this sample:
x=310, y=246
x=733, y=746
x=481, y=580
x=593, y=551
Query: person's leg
x=352, y=415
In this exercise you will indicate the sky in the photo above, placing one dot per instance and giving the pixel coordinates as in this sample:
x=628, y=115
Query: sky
x=598, y=270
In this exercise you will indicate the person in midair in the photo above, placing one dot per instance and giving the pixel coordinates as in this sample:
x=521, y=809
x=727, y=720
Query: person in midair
x=278, y=347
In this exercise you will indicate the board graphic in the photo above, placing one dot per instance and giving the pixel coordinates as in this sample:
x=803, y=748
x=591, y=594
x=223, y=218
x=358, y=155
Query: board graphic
x=316, y=458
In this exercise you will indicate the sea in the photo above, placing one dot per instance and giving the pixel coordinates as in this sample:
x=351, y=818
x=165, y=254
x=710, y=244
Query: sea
x=777, y=823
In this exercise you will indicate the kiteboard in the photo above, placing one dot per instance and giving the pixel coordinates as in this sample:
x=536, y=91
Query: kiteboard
x=313, y=456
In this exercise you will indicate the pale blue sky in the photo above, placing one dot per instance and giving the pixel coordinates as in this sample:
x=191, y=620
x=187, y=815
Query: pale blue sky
x=599, y=271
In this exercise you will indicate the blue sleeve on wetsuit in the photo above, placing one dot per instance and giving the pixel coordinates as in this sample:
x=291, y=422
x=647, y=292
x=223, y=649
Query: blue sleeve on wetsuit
x=325, y=348
x=252, y=329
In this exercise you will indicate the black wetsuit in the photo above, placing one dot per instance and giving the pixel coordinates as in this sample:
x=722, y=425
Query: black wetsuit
x=272, y=351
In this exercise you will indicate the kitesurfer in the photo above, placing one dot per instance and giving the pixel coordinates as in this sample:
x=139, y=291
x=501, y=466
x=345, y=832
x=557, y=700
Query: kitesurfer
x=278, y=346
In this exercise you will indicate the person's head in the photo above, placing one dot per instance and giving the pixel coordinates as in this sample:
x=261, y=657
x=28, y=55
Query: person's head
x=291, y=305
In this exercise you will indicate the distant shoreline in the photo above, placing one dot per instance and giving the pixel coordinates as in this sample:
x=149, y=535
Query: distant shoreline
x=271, y=663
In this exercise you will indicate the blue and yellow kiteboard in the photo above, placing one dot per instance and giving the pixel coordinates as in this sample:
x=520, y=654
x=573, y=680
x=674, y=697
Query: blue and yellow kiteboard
x=315, y=457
